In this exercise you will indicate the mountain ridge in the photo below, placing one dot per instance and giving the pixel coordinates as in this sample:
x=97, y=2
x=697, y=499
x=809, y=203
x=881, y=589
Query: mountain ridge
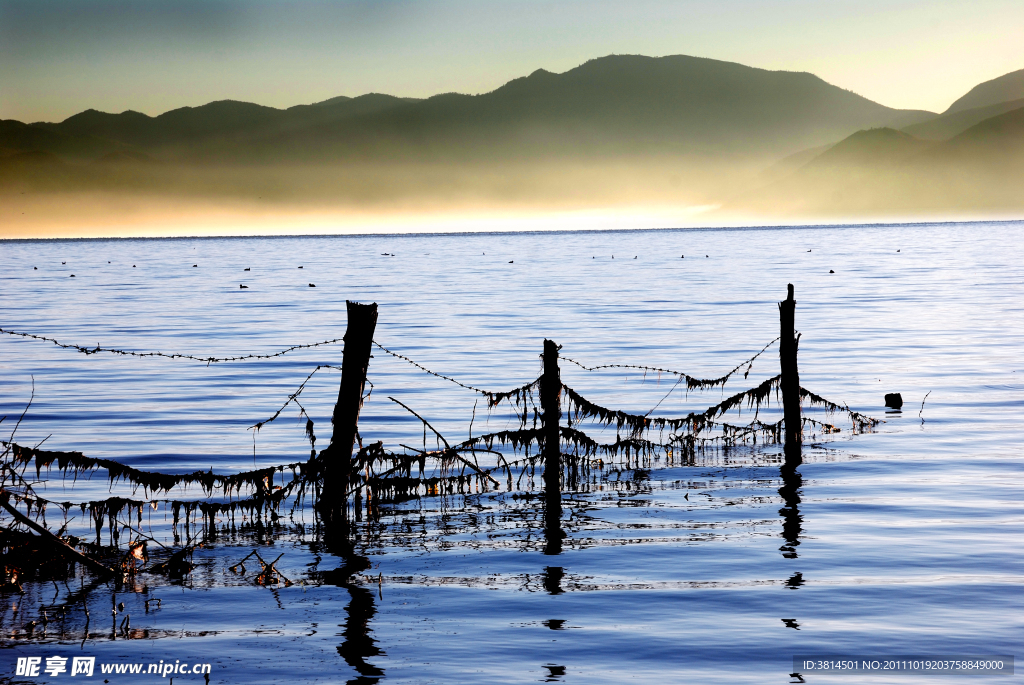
x=609, y=105
x=1000, y=89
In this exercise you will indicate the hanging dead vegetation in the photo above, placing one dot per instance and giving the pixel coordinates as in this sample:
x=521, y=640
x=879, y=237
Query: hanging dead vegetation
x=374, y=474
x=75, y=463
x=860, y=421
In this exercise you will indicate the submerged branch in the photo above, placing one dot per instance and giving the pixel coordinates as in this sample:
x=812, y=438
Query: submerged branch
x=61, y=546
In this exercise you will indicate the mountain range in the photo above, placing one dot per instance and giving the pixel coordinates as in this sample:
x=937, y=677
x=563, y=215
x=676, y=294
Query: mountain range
x=613, y=105
x=623, y=111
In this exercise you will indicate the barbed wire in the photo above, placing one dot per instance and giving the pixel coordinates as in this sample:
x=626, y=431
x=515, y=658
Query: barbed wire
x=295, y=396
x=130, y=353
x=691, y=381
x=435, y=373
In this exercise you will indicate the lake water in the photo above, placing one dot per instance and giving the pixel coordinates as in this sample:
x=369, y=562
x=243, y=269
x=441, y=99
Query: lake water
x=910, y=537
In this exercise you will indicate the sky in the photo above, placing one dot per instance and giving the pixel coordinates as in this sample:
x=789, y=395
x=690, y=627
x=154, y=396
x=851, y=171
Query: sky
x=59, y=57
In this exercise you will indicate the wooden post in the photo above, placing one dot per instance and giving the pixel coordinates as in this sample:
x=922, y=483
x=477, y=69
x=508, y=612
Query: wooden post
x=551, y=448
x=790, y=377
x=362, y=321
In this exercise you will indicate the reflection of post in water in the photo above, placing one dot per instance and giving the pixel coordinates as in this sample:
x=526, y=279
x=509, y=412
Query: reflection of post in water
x=358, y=644
x=790, y=383
x=791, y=518
x=553, y=579
x=551, y=449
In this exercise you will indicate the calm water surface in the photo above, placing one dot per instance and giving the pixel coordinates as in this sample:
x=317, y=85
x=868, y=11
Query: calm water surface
x=910, y=537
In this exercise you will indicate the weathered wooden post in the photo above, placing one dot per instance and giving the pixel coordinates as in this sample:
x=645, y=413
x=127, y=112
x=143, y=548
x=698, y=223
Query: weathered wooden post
x=551, y=447
x=362, y=321
x=790, y=381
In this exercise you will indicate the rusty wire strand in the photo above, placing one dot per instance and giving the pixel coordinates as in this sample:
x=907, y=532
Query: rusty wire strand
x=129, y=353
x=691, y=381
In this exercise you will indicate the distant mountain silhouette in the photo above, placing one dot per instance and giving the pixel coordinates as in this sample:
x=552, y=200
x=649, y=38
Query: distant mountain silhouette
x=617, y=105
x=981, y=168
x=945, y=126
x=188, y=128
x=1003, y=89
x=869, y=149
x=16, y=137
x=669, y=131
x=998, y=140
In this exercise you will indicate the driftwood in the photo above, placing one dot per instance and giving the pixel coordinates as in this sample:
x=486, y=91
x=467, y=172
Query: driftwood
x=447, y=452
x=61, y=546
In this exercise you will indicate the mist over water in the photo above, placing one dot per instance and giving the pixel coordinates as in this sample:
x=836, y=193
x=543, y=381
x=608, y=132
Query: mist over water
x=906, y=540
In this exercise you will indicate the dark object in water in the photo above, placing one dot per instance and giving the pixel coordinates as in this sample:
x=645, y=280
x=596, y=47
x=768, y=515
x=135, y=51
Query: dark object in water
x=831, y=271
x=246, y=269
x=59, y=545
x=133, y=266
x=242, y=286
x=35, y=268
x=72, y=275
x=312, y=285
x=894, y=400
x=177, y=565
x=300, y=267
x=510, y=261
x=195, y=266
